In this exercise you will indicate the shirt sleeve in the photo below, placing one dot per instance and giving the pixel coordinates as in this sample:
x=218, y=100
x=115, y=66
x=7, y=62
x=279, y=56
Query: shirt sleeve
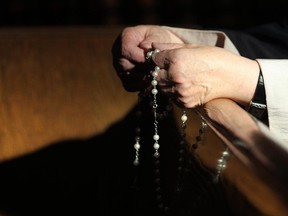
x=207, y=37
x=275, y=75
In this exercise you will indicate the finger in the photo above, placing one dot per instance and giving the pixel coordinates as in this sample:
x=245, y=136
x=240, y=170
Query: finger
x=148, y=42
x=130, y=46
x=146, y=45
x=126, y=54
x=133, y=53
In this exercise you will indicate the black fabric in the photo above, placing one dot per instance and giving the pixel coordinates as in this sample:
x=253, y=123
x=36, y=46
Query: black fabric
x=267, y=41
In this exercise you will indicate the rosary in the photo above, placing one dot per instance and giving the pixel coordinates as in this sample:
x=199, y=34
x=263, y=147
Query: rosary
x=153, y=92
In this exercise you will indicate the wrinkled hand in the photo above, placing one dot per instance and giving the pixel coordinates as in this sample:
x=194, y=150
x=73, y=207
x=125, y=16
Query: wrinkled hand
x=129, y=50
x=196, y=74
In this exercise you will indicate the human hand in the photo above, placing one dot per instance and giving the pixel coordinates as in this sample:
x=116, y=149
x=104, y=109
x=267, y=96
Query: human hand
x=195, y=74
x=129, y=51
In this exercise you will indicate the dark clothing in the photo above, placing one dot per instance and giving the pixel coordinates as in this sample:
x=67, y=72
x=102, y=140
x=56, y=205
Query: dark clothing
x=264, y=41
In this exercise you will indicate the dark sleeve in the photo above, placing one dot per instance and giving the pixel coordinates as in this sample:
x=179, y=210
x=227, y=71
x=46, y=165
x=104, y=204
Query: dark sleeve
x=269, y=41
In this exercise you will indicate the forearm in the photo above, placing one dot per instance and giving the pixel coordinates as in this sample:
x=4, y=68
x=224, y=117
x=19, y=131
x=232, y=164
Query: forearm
x=275, y=74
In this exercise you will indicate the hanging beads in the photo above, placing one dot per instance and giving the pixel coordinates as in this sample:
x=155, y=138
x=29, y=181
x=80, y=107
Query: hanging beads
x=221, y=164
x=137, y=145
x=181, y=154
x=154, y=92
x=199, y=138
x=184, y=118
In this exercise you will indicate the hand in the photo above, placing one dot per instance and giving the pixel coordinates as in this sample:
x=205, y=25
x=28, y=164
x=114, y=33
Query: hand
x=129, y=51
x=195, y=74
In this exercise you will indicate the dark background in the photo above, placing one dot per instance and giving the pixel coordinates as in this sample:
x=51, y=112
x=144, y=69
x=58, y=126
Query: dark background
x=205, y=13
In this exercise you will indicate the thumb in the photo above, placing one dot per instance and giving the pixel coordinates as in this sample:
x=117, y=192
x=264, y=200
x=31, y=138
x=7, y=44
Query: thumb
x=166, y=46
x=161, y=60
x=146, y=45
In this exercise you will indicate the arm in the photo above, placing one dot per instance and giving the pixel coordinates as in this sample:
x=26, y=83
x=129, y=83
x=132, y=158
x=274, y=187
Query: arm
x=266, y=42
x=269, y=45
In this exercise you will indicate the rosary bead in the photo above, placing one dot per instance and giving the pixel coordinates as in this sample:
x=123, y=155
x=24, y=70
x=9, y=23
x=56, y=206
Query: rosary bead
x=156, y=146
x=137, y=138
x=155, y=74
x=154, y=82
x=137, y=146
x=157, y=171
x=184, y=118
x=198, y=138
x=195, y=146
x=156, y=51
x=225, y=153
x=157, y=164
x=136, y=162
x=157, y=154
x=138, y=130
x=158, y=189
x=204, y=125
x=157, y=181
x=156, y=137
x=154, y=91
x=149, y=54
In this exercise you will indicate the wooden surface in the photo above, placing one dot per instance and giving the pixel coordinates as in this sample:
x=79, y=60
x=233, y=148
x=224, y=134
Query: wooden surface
x=254, y=171
x=56, y=84
x=249, y=191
